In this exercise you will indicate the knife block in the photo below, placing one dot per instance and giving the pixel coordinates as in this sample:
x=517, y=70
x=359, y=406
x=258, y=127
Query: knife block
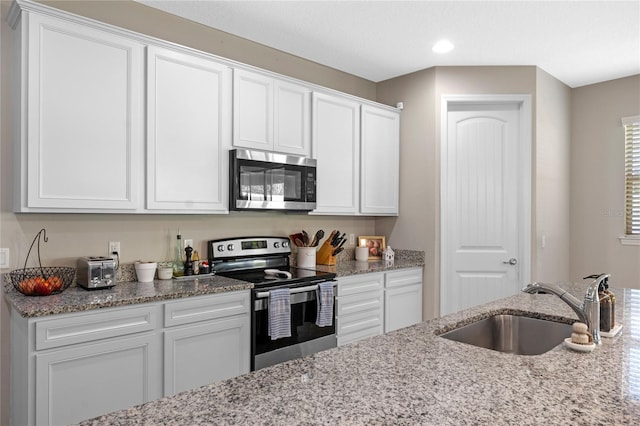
x=325, y=254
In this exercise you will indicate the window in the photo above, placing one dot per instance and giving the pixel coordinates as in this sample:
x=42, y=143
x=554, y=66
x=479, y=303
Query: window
x=632, y=175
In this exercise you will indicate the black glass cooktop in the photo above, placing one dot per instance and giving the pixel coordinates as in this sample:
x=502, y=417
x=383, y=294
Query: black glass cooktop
x=260, y=279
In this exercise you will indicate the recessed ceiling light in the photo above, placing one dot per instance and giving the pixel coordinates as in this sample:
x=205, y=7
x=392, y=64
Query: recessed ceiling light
x=443, y=46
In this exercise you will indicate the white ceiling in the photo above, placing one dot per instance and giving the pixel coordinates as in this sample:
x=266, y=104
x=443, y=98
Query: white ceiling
x=578, y=42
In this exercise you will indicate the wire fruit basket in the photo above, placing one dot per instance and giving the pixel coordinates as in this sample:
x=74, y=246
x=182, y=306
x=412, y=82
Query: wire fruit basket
x=42, y=280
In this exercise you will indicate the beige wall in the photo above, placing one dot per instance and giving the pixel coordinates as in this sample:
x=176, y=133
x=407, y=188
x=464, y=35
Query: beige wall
x=597, y=179
x=415, y=228
x=552, y=165
x=419, y=224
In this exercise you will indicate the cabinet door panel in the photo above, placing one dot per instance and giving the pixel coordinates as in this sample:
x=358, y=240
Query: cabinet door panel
x=335, y=144
x=188, y=131
x=86, y=381
x=84, y=117
x=292, y=119
x=200, y=354
x=402, y=307
x=380, y=167
x=252, y=110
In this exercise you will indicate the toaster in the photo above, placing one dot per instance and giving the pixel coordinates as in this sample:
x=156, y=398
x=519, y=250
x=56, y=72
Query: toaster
x=96, y=272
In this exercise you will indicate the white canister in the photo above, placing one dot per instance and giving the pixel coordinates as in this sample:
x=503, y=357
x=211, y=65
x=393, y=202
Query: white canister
x=362, y=254
x=306, y=257
x=145, y=271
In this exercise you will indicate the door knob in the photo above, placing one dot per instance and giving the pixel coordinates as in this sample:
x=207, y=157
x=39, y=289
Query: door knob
x=512, y=261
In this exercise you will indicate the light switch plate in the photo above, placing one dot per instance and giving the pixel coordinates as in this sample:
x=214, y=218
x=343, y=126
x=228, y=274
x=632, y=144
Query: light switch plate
x=4, y=257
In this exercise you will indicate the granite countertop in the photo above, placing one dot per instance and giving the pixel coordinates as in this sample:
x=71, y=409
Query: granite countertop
x=129, y=292
x=346, y=266
x=77, y=299
x=412, y=376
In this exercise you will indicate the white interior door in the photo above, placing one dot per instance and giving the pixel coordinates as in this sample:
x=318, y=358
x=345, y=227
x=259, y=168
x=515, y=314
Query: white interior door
x=483, y=237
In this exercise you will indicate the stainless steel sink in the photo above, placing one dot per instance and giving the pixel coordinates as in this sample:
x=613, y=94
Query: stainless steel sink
x=513, y=334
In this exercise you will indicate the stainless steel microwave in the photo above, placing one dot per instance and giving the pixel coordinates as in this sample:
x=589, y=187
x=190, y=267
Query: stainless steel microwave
x=261, y=180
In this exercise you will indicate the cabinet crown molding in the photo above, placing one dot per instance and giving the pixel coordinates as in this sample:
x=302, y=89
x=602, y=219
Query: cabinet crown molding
x=29, y=5
x=14, y=14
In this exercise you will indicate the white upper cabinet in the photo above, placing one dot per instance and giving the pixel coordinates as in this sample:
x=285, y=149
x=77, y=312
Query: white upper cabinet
x=188, y=132
x=103, y=127
x=380, y=162
x=292, y=119
x=270, y=114
x=252, y=110
x=336, y=140
x=81, y=143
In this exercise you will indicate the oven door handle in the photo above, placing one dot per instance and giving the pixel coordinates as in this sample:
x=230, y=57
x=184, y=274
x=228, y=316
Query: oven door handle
x=263, y=294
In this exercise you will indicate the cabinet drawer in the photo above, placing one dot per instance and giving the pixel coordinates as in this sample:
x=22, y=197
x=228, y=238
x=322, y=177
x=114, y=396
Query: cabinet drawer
x=400, y=278
x=363, y=334
x=359, y=302
x=206, y=308
x=92, y=326
x=360, y=321
x=360, y=284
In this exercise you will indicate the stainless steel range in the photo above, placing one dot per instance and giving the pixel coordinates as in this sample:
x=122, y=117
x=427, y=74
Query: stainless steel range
x=264, y=261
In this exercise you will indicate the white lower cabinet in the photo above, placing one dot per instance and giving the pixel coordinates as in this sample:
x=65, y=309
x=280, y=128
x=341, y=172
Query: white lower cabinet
x=402, y=299
x=359, y=312
x=204, y=352
x=375, y=303
x=70, y=367
x=85, y=381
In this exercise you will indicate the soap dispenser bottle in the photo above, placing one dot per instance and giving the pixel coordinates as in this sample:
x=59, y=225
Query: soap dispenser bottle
x=606, y=304
x=605, y=309
x=612, y=297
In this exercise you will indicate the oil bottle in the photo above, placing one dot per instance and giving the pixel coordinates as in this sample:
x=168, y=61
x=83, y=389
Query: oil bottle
x=178, y=262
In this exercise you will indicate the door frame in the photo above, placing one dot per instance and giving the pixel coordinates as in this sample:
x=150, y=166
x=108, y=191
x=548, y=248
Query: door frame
x=525, y=178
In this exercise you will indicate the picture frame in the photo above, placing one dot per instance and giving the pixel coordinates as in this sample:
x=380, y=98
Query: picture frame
x=375, y=243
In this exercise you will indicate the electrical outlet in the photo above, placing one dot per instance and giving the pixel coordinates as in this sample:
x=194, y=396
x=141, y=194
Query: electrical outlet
x=114, y=246
x=188, y=243
x=352, y=239
x=4, y=258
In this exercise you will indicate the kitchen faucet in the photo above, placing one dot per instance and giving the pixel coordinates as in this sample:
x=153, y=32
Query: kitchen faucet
x=588, y=311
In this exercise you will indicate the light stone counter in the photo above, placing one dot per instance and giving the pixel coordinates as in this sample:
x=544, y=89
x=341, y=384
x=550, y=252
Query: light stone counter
x=129, y=292
x=77, y=299
x=412, y=376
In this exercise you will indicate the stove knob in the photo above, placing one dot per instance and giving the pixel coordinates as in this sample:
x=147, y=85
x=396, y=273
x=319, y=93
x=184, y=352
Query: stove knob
x=230, y=247
x=285, y=244
x=277, y=245
x=220, y=247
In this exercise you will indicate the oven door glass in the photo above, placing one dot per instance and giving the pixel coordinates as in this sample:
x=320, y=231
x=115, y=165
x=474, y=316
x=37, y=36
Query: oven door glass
x=303, y=325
